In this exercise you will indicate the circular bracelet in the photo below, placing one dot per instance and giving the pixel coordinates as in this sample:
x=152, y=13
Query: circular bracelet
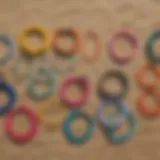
x=130, y=38
x=57, y=120
x=10, y=48
x=22, y=136
x=83, y=83
x=15, y=70
x=113, y=137
x=118, y=121
x=69, y=68
x=93, y=36
x=50, y=81
x=29, y=49
x=115, y=74
x=149, y=47
x=140, y=76
x=68, y=132
x=144, y=108
x=66, y=32
x=11, y=93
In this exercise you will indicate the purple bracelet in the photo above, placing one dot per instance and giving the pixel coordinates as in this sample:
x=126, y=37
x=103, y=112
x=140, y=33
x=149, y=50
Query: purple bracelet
x=128, y=36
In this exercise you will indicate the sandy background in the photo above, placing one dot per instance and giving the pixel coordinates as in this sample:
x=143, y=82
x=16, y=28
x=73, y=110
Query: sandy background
x=104, y=17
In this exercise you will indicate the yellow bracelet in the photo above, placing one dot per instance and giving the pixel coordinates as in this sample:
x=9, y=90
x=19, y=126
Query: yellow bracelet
x=55, y=121
x=29, y=49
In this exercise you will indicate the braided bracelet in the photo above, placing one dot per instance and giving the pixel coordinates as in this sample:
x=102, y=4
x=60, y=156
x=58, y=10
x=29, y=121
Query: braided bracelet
x=29, y=50
x=83, y=83
x=50, y=82
x=115, y=74
x=128, y=36
x=21, y=137
x=56, y=120
x=10, y=48
x=116, y=122
x=68, y=132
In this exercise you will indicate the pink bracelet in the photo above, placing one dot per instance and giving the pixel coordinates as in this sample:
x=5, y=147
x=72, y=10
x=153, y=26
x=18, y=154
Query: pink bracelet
x=79, y=80
x=128, y=36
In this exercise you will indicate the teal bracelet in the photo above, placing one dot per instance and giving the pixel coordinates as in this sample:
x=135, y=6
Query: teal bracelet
x=50, y=82
x=113, y=137
x=150, y=47
x=68, y=132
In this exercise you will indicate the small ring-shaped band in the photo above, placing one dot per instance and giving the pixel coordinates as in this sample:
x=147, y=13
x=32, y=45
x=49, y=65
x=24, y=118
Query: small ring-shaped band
x=115, y=138
x=50, y=82
x=68, y=132
x=10, y=48
x=57, y=120
x=140, y=76
x=11, y=93
x=32, y=50
x=107, y=121
x=16, y=70
x=150, y=47
x=94, y=57
x=115, y=74
x=9, y=127
x=83, y=83
x=128, y=36
x=69, y=68
x=144, y=108
x=66, y=32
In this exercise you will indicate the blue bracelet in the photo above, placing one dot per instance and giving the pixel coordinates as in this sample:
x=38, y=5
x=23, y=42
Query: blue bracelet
x=50, y=82
x=110, y=122
x=11, y=93
x=72, y=137
x=115, y=138
x=9, y=42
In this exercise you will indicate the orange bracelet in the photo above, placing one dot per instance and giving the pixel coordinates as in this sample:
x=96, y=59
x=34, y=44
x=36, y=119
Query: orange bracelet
x=93, y=36
x=142, y=81
x=144, y=109
x=66, y=32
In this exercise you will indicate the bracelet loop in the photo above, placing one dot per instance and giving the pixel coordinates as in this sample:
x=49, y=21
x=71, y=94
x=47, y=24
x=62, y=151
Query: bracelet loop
x=83, y=82
x=55, y=121
x=11, y=93
x=66, y=32
x=12, y=133
x=93, y=36
x=32, y=50
x=68, y=132
x=50, y=82
x=10, y=44
x=128, y=36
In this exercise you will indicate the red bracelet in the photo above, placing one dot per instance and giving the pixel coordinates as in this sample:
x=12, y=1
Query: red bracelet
x=128, y=36
x=144, y=108
x=83, y=82
x=8, y=124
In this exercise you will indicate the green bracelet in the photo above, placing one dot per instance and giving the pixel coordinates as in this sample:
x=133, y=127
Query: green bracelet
x=72, y=59
x=113, y=137
x=150, y=47
x=50, y=82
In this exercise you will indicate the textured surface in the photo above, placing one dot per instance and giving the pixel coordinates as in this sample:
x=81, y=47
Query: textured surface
x=103, y=16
